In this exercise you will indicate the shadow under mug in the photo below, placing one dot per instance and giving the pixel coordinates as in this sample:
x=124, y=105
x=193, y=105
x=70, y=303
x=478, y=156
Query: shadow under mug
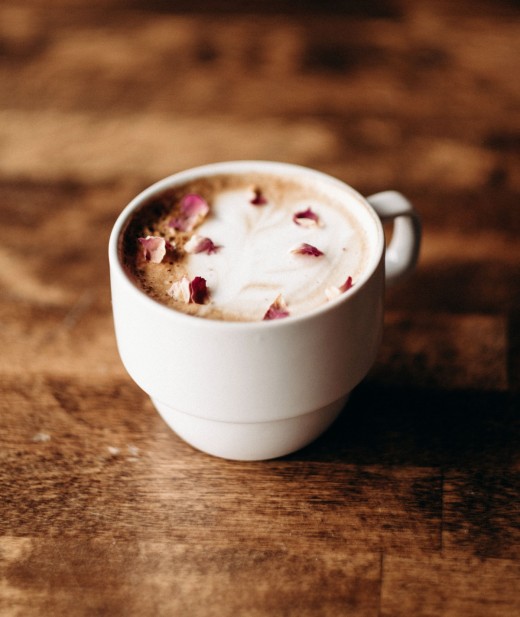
x=260, y=390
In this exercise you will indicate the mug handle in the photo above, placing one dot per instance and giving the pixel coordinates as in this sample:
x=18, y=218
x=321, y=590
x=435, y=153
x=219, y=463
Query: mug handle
x=403, y=251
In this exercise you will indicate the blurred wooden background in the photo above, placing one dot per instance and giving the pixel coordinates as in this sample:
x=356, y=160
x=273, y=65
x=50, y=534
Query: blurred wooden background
x=409, y=505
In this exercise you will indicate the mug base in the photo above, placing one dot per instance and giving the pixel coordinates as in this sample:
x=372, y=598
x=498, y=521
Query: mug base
x=251, y=441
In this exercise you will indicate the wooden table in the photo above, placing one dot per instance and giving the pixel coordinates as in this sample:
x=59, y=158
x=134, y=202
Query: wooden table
x=409, y=505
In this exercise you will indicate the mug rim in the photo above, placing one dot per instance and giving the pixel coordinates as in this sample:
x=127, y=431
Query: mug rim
x=240, y=166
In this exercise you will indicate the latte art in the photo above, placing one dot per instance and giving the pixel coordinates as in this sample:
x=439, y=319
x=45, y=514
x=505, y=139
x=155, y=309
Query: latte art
x=260, y=239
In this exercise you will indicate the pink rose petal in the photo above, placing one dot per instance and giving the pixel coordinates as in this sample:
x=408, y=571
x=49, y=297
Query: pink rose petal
x=334, y=292
x=257, y=198
x=180, y=290
x=194, y=205
x=199, y=293
x=154, y=248
x=193, y=209
x=277, y=310
x=307, y=249
x=306, y=218
x=198, y=244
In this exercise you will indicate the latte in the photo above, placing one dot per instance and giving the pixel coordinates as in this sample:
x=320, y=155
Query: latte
x=246, y=247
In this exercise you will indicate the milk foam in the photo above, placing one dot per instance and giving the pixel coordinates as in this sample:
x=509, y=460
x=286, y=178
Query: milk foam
x=255, y=263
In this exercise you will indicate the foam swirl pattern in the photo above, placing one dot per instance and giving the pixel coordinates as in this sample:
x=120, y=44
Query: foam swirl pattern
x=256, y=262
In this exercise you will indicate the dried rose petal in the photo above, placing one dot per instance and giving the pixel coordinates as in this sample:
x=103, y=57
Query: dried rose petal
x=198, y=244
x=193, y=205
x=334, y=292
x=346, y=285
x=277, y=310
x=199, y=293
x=180, y=290
x=307, y=249
x=257, y=198
x=193, y=209
x=154, y=248
x=306, y=218
x=195, y=291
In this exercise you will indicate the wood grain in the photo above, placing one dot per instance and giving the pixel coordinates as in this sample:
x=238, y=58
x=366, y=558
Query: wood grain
x=408, y=505
x=437, y=585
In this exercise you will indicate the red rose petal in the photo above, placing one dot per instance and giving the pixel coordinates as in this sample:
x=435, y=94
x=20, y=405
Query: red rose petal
x=307, y=249
x=257, y=199
x=277, y=310
x=154, y=248
x=198, y=244
x=346, y=285
x=193, y=209
x=199, y=293
x=306, y=218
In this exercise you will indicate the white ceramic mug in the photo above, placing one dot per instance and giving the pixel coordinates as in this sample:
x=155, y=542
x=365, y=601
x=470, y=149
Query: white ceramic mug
x=259, y=390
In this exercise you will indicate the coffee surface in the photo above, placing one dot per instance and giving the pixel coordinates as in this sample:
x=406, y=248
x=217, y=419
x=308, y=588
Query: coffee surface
x=256, y=225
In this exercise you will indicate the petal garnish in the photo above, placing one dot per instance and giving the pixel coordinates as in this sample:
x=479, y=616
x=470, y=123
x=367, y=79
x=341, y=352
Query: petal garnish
x=154, y=248
x=180, y=290
x=277, y=310
x=199, y=293
x=195, y=291
x=257, y=197
x=306, y=218
x=307, y=249
x=199, y=244
x=192, y=211
x=334, y=292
